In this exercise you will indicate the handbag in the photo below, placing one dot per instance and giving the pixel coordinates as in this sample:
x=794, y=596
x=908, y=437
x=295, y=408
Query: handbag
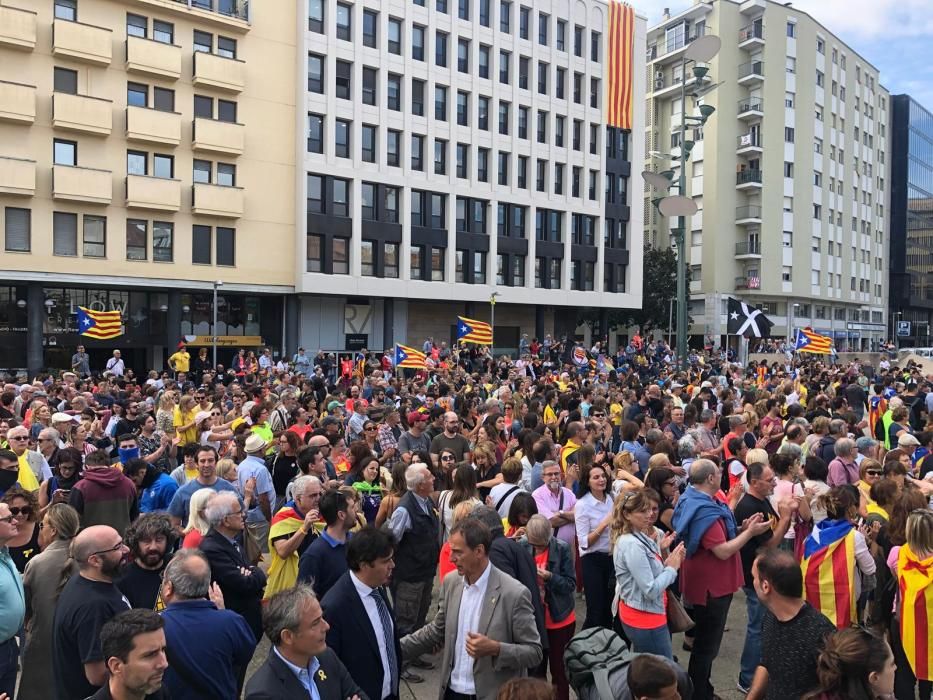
x=677, y=618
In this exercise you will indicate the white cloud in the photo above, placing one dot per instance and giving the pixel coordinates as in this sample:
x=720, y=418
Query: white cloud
x=851, y=20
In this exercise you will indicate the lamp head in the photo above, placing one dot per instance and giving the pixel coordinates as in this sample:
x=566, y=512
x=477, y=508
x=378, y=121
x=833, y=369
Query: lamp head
x=699, y=72
x=706, y=111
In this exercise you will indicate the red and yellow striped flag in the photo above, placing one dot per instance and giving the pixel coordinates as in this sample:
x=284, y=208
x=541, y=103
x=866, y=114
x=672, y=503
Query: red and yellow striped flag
x=915, y=583
x=621, y=65
x=101, y=325
x=828, y=568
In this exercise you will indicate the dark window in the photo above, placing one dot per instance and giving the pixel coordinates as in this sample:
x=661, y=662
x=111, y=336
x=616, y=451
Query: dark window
x=163, y=166
x=137, y=163
x=505, y=16
x=524, y=66
x=578, y=40
x=524, y=19
x=503, y=169
x=440, y=49
x=226, y=111
x=370, y=78
x=390, y=260
x=578, y=88
x=594, y=139
x=543, y=24
x=560, y=35
x=522, y=122
x=367, y=264
x=316, y=17
x=394, y=92
x=136, y=26
x=522, y=173
x=203, y=107
x=370, y=28
x=66, y=81
x=315, y=133
x=65, y=152
x=542, y=77
x=463, y=9
x=395, y=36
x=162, y=241
x=368, y=201
x=341, y=200
x=483, y=61
x=594, y=93
x=438, y=211
x=17, y=229
x=342, y=82
x=559, y=131
x=66, y=9
x=463, y=160
x=201, y=248
x=440, y=157
x=463, y=55
x=440, y=103
x=315, y=253
x=315, y=73
x=541, y=179
x=341, y=256
x=201, y=171
x=368, y=143
x=137, y=95
x=558, y=178
x=417, y=97
x=484, y=13
x=315, y=202
x=482, y=164
x=203, y=42
x=342, y=138
x=417, y=152
x=542, y=127
x=504, y=118
x=418, y=213
x=463, y=108
x=483, y=113
x=226, y=47
x=136, y=239
x=393, y=148
x=437, y=264
x=163, y=99
x=95, y=236
x=344, y=18
x=417, y=42
x=390, y=204
x=226, y=174
x=594, y=46
x=417, y=260
x=560, y=80
x=505, y=59
x=577, y=134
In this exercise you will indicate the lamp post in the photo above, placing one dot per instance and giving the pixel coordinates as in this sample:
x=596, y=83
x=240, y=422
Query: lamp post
x=701, y=50
x=897, y=338
x=492, y=322
x=217, y=283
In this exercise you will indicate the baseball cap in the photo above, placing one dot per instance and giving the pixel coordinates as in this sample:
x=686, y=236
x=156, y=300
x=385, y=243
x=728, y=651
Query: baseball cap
x=415, y=416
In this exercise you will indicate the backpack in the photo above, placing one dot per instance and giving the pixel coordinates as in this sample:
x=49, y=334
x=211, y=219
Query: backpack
x=591, y=656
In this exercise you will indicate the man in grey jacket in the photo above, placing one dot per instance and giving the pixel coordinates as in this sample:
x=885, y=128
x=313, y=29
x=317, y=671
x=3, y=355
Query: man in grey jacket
x=484, y=621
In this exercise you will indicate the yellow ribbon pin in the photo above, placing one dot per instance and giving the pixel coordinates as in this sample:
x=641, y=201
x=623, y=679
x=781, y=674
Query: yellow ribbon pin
x=322, y=675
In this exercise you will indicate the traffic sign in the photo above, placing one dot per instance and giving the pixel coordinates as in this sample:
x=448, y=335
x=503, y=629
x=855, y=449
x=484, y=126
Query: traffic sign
x=903, y=329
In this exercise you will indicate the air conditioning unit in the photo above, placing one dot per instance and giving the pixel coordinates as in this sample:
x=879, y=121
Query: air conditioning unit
x=658, y=83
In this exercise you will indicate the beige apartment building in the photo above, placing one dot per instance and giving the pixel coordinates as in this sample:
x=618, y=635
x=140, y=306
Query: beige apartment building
x=789, y=173
x=147, y=152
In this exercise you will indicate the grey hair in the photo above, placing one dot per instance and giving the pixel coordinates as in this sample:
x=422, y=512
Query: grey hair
x=706, y=415
x=548, y=463
x=736, y=420
x=538, y=528
x=701, y=470
x=188, y=584
x=895, y=402
x=654, y=435
x=792, y=450
x=687, y=446
x=51, y=433
x=283, y=611
x=844, y=447
x=414, y=475
x=300, y=485
x=836, y=426
x=219, y=506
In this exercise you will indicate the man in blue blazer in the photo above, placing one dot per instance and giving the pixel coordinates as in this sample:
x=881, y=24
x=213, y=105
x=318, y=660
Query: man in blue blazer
x=362, y=626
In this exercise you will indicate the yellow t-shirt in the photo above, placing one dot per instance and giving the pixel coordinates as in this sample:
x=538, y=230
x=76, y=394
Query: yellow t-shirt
x=186, y=437
x=27, y=478
x=180, y=360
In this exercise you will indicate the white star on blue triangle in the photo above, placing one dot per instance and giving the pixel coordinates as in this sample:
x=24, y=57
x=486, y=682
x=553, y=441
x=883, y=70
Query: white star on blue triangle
x=464, y=329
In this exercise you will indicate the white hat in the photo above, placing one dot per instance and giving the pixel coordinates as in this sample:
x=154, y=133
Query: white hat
x=255, y=443
x=200, y=416
x=59, y=417
x=907, y=440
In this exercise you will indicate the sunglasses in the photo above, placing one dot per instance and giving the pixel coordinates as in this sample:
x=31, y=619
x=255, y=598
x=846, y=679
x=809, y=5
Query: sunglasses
x=447, y=458
x=873, y=472
x=17, y=437
x=25, y=510
x=7, y=519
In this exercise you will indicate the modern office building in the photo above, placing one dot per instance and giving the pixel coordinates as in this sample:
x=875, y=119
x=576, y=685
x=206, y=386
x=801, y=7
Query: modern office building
x=459, y=149
x=789, y=173
x=147, y=151
x=911, y=255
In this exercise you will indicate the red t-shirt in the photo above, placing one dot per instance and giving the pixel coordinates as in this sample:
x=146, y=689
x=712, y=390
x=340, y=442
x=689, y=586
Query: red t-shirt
x=704, y=575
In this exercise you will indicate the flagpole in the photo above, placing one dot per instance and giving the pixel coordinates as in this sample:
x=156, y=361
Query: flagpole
x=492, y=324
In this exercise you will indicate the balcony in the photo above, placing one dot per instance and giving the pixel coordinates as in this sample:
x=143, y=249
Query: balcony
x=232, y=15
x=17, y=101
x=17, y=176
x=153, y=126
x=157, y=193
x=90, y=115
x=751, y=108
x=748, y=179
x=217, y=200
x=219, y=72
x=153, y=58
x=217, y=136
x=748, y=143
x=82, y=184
x=751, y=72
x=748, y=249
x=82, y=42
x=17, y=28
x=672, y=45
x=748, y=282
x=751, y=36
x=750, y=214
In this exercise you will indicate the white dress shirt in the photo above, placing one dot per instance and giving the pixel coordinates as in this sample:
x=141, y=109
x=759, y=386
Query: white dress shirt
x=372, y=613
x=471, y=604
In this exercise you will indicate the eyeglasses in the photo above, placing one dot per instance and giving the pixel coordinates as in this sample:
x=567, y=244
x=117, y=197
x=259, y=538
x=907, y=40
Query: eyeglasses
x=24, y=510
x=447, y=458
x=7, y=519
x=873, y=472
x=369, y=428
x=116, y=548
x=598, y=415
x=17, y=437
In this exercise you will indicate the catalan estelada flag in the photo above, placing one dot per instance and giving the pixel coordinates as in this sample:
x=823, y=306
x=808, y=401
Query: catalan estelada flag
x=100, y=325
x=810, y=341
x=472, y=331
x=828, y=569
x=409, y=357
x=621, y=65
x=877, y=405
x=915, y=583
x=359, y=367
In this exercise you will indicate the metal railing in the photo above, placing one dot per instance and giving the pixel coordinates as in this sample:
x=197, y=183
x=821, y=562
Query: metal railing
x=752, y=31
x=750, y=104
x=750, y=211
x=751, y=68
x=239, y=9
x=673, y=44
x=748, y=282
x=748, y=248
x=746, y=176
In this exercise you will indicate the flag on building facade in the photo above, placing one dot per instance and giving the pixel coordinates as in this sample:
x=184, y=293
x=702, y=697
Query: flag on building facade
x=747, y=320
x=409, y=357
x=915, y=586
x=472, y=331
x=828, y=569
x=621, y=65
x=810, y=341
x=100, y=325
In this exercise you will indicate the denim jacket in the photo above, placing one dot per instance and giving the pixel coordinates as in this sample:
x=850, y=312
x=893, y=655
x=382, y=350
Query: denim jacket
x=559, y=589
x=641, y=578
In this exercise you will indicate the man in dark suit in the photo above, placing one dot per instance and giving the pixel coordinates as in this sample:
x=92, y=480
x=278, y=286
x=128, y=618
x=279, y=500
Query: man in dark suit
x=299, y=659
x=241, y=584
x=362, y=627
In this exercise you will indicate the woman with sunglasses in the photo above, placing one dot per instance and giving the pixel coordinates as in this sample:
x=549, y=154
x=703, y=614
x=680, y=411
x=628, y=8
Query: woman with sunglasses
x=870, y=473
x=663, y=481
x=24, y=507
x=444, y=475
x=66, y=472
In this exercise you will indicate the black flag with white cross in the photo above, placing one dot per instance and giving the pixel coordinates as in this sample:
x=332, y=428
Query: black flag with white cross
x=747, y=320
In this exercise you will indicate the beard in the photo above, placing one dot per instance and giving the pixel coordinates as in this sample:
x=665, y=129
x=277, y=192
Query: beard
x=151, y=558
x=113, y=569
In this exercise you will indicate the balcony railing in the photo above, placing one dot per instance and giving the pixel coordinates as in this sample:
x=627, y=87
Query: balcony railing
x=750, y=105
x=673, y=44
x=752, y=31
x=751, y=68
x=748, y=176
x=750, y=211
x=749, y=141
x=748, y=283
x=748, y=248
x=238, y=9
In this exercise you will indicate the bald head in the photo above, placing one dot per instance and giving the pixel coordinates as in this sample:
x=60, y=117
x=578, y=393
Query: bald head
x=318, y=441
x=95, y=538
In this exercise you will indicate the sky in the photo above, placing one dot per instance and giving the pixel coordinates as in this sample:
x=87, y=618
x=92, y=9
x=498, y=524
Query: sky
x=893, y=35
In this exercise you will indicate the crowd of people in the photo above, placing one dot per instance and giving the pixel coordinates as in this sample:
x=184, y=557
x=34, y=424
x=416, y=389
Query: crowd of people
x=374, y=523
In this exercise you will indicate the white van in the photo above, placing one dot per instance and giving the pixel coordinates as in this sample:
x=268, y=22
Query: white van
x=926, y=353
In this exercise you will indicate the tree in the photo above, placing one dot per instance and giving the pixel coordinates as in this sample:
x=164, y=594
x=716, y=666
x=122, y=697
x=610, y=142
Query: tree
x=659, y=285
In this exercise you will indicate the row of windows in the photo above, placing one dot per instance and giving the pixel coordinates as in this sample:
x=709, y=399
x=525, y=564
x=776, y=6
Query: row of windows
x=210, y=245
x=546, y=80
x=164, y=32
x=395, y=27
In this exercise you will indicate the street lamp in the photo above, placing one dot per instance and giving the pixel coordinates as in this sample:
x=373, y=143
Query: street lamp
x=217, y=283
x=492, y=322
x=700, y=51
x=791, y=315
x=897, y=339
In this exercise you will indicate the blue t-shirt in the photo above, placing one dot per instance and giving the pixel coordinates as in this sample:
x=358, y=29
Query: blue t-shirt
x=159, y=495
x=182, y=498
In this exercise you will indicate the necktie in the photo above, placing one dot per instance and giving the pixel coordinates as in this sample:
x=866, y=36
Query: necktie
x=387, y=635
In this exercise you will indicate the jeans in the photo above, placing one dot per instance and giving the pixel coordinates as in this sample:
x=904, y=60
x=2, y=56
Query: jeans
x=751, y=652
x=710, y=624
x=653, y=641
x=598, y=582
x=9, y=666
